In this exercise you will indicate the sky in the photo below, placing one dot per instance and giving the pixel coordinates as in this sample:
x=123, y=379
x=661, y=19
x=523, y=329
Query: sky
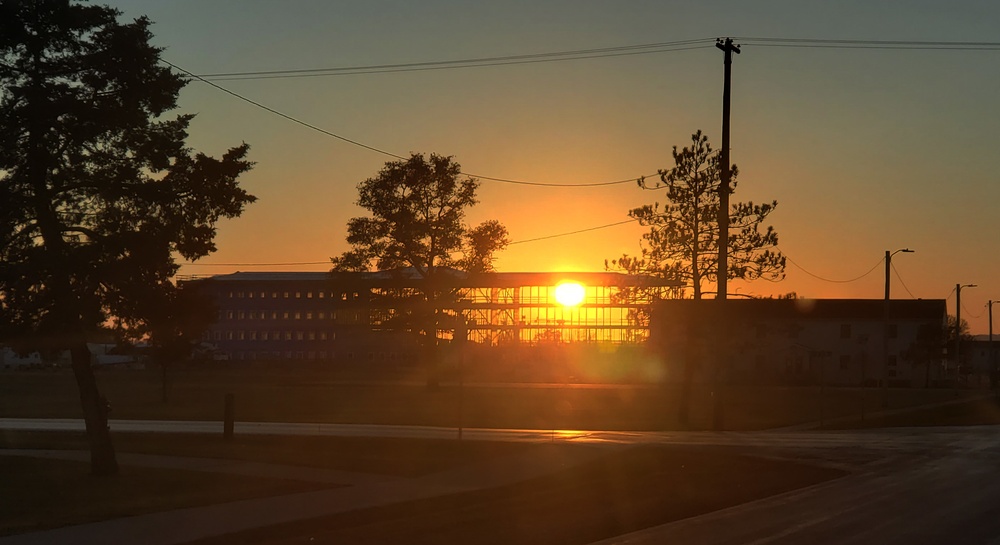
x=865, y=150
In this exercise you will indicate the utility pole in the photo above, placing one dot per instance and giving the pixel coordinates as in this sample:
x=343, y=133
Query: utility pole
x=885, y=327
x=958, y=326
x=722, y=275
x=993, y=356
x=728, y=48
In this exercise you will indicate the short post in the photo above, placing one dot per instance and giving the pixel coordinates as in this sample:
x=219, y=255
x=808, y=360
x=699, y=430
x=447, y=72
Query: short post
x=229, y=417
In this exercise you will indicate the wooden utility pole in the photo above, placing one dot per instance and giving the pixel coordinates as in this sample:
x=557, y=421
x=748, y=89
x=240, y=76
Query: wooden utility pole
x=722, y=276
x=728, y=48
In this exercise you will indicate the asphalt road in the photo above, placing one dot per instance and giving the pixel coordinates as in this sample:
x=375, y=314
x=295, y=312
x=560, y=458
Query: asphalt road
x=933, y=486
x=911, y=485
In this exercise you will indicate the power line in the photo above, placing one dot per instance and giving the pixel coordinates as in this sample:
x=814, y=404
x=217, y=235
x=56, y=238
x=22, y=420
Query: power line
x=295, y=263
x=556, y=56
x=870, y=44
x=574, y=232
x=900, y=278
x=818, y=277
x=378, y=150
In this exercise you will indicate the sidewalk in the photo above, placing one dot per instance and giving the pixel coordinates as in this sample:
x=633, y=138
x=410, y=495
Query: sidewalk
x=364, y=491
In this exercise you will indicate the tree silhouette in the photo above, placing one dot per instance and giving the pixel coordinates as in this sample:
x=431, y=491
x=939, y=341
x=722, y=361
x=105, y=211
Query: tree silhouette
x=418, y=208
x=99, y=194
x=683, y=240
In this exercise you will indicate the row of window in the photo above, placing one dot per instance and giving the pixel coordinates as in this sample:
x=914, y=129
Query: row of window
x=343, y=296
x=273, y=335
x=284, y=315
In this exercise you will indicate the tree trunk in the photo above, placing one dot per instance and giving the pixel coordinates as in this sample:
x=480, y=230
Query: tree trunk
x=95, y=413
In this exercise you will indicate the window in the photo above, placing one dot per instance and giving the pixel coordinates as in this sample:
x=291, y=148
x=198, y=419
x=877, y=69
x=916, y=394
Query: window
x=229, y=335
x=286, y=295
x=309, y=316
x=312, y=335
x=309, y=295
x=322, y=335
x=845, y=361
x=298, y=295
x=845, y=331
x=288, y=335
x=274, y=295
x=343, y=296
x=250, y=294
x=242, y=335
x=298, y=335
x=253, y=315
x=285, y=315
x=298, y=315
x=240, y=295
x=891, y=361
x=229, y=314
x=274, y=315
x=321, y=294
x=263, y=335
x=217, y=335
x=242, y=315
x=322, y=316
x=253, y=335
x=230, y=295
x=892, y=373
x=262, y=294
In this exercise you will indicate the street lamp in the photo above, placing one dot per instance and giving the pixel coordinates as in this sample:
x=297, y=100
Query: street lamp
x=885, y=326
x=993, y=355
x=958, y=324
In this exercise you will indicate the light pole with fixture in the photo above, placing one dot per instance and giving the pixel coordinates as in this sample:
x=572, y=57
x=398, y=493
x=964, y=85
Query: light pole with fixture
x=885, y=326
x=993, y=356
x=958, y=325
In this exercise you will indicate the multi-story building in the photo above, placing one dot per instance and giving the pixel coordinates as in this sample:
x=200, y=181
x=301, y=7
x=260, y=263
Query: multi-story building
x=355, y=316
x=832, y=341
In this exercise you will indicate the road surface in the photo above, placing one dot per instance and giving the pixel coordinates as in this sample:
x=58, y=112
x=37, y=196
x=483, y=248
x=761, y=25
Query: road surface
x=909, y=485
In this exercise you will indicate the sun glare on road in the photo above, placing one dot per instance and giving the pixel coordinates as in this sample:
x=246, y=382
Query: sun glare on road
x=569, y=294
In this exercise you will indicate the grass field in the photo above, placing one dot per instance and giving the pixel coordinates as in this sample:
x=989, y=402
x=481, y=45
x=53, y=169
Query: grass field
x=40, y=493
x=315, y=396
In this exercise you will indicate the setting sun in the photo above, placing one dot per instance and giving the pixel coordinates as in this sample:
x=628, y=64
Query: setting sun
x=570, y=294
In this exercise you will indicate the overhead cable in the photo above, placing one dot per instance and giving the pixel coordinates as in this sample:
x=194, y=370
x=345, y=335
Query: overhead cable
x=378, y=150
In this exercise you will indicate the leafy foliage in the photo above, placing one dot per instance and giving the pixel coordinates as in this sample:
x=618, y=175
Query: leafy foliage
x=418, y=210
x=683, y=240
x=99, y=192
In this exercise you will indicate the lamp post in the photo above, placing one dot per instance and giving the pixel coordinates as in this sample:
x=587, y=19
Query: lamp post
x=993, y=356
x=885, y=326
x=958, y=325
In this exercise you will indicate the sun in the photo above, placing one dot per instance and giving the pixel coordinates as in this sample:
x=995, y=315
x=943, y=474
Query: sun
x=570, y=294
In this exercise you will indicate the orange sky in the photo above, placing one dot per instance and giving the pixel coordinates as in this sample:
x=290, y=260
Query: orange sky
x=865, y=150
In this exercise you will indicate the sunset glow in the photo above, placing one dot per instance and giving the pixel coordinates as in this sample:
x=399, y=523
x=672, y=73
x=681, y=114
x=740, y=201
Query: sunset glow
x=570, y=294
